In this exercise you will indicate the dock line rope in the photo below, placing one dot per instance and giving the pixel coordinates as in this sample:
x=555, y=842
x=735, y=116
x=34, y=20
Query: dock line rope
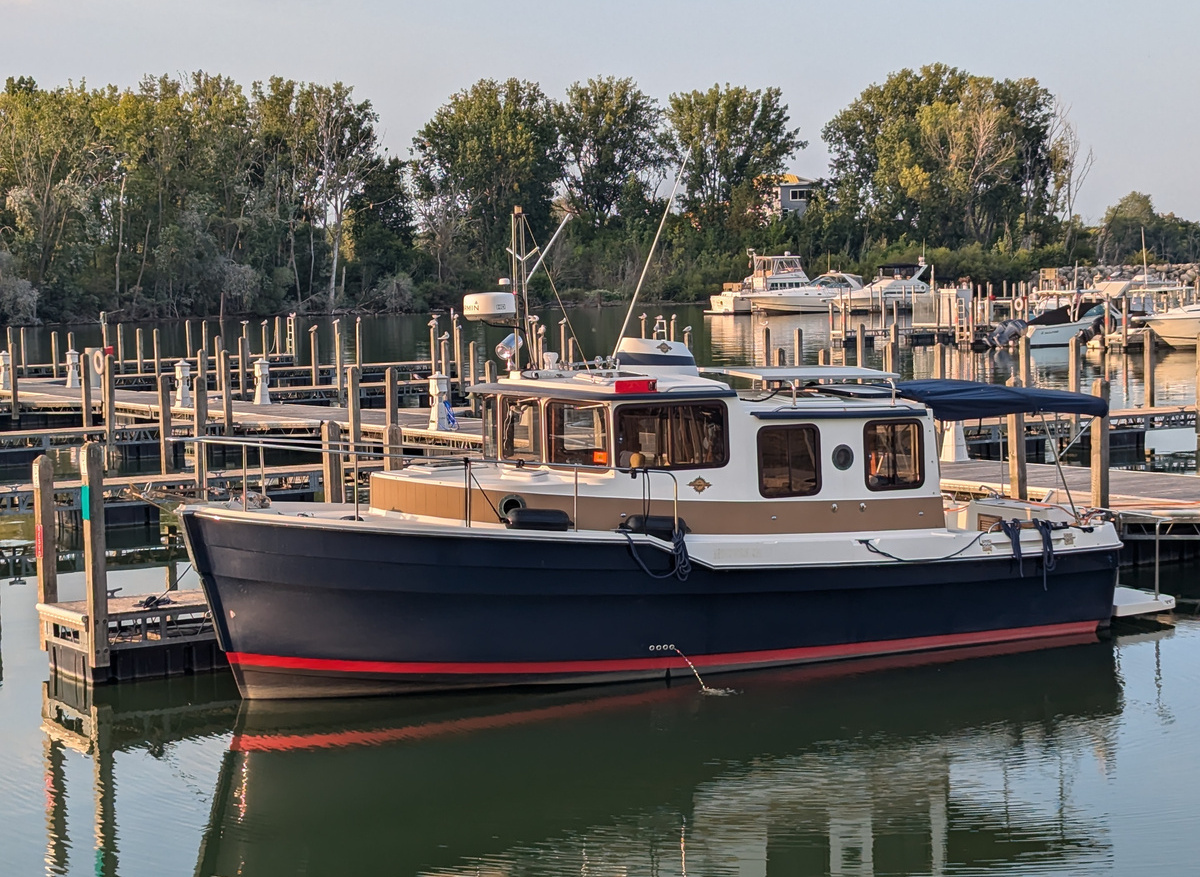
x=1012, y=529
x=683, y=564
x=875, y=549
x=1049, y=561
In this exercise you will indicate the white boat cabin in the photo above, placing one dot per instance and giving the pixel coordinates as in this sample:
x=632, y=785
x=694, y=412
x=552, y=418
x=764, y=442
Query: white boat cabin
x=804, y=456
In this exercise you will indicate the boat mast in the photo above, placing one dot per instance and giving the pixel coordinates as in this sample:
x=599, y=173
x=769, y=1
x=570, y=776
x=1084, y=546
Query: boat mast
x=649, y=256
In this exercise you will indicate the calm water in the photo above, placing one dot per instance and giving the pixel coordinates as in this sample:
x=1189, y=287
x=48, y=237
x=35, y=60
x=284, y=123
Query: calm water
x=1069, y=760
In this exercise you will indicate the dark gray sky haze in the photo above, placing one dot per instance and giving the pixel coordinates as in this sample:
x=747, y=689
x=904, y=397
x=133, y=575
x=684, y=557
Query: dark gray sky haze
x=1129, y=71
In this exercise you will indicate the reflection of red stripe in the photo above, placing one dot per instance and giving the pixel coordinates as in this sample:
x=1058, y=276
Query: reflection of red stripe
x=822, y=672
x=673, y=662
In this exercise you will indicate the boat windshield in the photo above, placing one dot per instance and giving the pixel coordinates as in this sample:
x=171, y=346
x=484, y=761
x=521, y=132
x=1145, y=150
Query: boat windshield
x=577, y=433
x=676, y=436
x=520, y=429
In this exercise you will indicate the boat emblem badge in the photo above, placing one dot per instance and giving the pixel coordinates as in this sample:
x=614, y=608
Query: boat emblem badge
x=699, y=485
x=665, y=347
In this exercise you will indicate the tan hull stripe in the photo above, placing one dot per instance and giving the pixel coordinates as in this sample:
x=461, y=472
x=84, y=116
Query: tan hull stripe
x=702, y=516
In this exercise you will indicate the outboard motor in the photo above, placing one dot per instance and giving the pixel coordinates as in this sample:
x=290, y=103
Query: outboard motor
x=1005, y=332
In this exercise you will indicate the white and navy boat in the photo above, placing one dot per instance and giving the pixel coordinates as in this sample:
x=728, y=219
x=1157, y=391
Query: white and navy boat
x=627, y=516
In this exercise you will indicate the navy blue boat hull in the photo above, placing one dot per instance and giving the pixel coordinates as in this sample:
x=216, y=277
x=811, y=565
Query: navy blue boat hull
x=320, y=612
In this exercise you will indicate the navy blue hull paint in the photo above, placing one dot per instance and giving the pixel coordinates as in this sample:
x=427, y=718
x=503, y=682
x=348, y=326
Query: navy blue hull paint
x=341, y=596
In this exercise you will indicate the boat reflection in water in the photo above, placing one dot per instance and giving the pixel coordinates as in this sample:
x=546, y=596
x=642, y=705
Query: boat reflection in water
x=922, y=765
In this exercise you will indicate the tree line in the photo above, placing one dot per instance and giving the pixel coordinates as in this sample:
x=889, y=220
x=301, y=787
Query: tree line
x=195, y=196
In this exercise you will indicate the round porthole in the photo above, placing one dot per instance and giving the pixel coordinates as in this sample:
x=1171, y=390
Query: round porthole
x=843, y=457
x=510, y=502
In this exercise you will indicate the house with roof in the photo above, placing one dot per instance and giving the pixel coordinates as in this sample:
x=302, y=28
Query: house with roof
x=789, y=195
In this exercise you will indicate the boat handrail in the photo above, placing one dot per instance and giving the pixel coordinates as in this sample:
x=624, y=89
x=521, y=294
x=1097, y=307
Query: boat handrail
x=356, y=450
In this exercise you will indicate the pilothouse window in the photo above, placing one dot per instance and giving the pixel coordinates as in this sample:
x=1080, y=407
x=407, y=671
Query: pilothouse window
x=678, y=436
x=893, y=452
x=520, y=429
x=789, y=461
x=577, y=433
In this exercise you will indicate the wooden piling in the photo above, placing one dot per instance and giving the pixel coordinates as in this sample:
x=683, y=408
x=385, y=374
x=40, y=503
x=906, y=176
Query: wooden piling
x=121, y=347
x=331, y=462
x=1025, y=364
x=1147, y=365
x=313, y=350
x=798, y=345
x=13, y=383
x=266, y=341
x=489, y=371
x=780, y=357
x=94, y=564
x=110, y=403
x=24, y=348
x=339, y=359
x=139, y=349
x=353, y=407
x=860, y=345
x=85, y=389
x=187, y=335
x=1073, y=369
x=1124, y=323
x=164, y=422
x=71, y=341
x=358, y=360
x=54, y=352
x=391, y=397
x=244, y=368
x=199, y=430
x=823, y=356
x=226, y=392
x=156, y=341
x=44, y=530
x=1100, y=448
x=392, y=446
x=472, y=358
x=1017, y=470
x=939, y=360
x=766, y=345
x=278, y=335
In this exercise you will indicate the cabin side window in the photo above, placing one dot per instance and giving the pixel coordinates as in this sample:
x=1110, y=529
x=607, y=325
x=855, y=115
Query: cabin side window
x=894, y=453
x=577, y=433
x=520, y=429
x=677, y=436
x=789, y=461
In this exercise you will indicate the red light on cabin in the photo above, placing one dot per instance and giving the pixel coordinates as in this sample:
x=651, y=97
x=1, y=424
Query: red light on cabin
x=636, y=385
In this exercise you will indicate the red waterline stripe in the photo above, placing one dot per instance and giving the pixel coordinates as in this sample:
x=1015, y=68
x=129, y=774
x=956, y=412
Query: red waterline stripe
x=674, y=662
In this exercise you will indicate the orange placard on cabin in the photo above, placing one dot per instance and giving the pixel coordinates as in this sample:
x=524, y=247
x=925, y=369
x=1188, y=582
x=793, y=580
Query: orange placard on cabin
x=600, y=458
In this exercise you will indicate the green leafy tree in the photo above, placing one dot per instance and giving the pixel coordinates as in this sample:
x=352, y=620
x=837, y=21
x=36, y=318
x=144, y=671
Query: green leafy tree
x=490, y=148
x=735, y=140
x=610, y=137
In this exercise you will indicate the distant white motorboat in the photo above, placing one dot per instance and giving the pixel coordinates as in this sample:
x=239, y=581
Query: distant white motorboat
x=898, y=284
x=769, y=276
x=813, y=298
x=1178, y=327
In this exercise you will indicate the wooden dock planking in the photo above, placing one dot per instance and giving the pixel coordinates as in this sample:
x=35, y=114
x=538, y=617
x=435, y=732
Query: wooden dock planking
x=1131, y=491
x=176, y=636
x=283, y=417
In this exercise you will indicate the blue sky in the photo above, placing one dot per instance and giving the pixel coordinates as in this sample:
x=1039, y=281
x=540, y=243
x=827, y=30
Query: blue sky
x=1128, y=71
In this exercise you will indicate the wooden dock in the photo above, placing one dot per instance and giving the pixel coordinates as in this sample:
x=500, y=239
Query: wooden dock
x=160, y=635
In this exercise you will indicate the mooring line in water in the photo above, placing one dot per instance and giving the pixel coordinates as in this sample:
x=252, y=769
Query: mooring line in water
x=704, y=689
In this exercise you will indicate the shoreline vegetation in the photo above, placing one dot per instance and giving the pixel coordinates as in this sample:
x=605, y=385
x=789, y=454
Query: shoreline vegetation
x=196, y=197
